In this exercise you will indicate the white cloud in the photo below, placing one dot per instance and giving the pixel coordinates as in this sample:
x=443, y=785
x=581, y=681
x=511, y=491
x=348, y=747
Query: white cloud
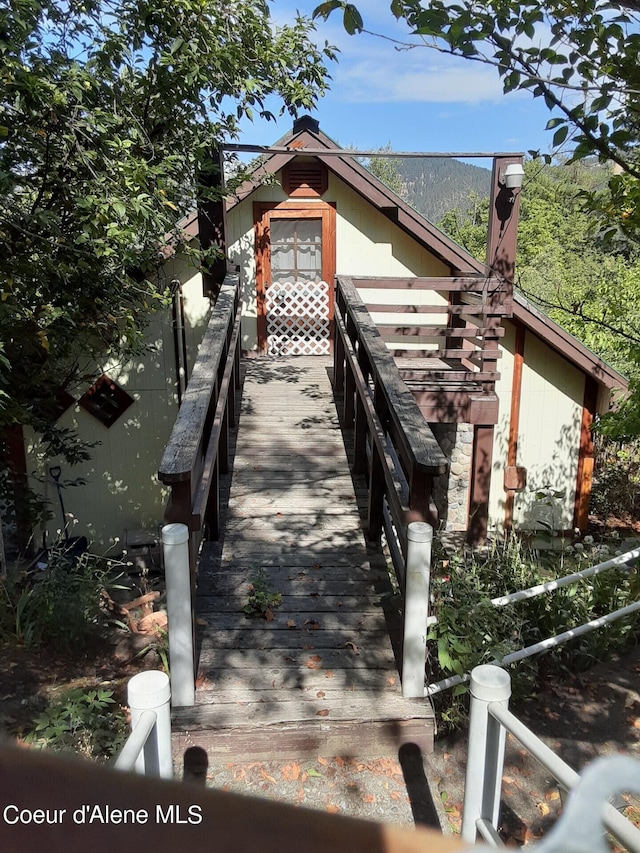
x=376, y=82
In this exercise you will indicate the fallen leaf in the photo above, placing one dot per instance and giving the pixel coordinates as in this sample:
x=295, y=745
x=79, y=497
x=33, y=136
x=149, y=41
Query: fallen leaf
x=332, y=809
x=340, y=761
x=323, y=761
x=394, y=795
x=291, y=772
x=266, y=776
x=544, y=809
x=316, y=566
x=320, y=694
x=368, y=798
x=322, y=713
x=552, y=795
x=291, y=623
x=313, y=624
x=201, y=622
x=328, y=673
x=391, y=681
x=313, y=774
x=314, y=662
x=352, y=646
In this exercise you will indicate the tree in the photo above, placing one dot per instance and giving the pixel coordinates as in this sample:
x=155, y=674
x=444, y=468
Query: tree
x=583, y=59
x=109, y=112
x=577, y=279
x=384, y=169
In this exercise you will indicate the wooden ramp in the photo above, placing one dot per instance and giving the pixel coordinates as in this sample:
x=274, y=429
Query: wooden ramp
x=321, y=677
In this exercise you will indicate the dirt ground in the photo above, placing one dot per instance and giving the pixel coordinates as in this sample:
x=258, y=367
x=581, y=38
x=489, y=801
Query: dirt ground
x=582, y=717
x=594, y=714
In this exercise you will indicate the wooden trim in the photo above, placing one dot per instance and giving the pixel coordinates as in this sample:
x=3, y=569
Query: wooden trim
x=514, y=418
x=584, y=474
x=263, y=212
x=441, y=283
x=481, y=463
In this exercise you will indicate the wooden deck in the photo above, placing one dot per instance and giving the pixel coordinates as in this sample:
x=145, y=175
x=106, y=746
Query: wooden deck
x=322, y=677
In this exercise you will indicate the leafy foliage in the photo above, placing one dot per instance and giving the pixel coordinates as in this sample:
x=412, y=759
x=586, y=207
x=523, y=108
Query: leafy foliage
x=84, y=722
x=263, y=599
x=582, y=60
x=471, y=631
x=60, y=606
x=110, y=111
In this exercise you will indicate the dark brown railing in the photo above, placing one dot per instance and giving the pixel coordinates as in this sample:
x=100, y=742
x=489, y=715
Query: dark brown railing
x=198, y=449
x=466, y=341
x=393, y=445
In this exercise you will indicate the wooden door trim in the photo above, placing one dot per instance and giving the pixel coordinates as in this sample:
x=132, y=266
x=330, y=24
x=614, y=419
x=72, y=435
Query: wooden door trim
x=263, y=211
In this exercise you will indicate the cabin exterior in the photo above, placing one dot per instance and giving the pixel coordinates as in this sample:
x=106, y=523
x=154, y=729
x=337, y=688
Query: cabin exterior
x=512, y=415
x=509, y=395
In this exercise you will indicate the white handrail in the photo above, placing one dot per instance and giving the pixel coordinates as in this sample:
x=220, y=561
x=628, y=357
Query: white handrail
x=490, y=719
x=148, y=747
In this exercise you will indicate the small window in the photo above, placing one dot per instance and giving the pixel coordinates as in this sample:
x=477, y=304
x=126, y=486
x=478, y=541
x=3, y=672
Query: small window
x=106, y=400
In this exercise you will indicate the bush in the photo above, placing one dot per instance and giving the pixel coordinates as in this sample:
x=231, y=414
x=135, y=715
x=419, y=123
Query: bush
x=83, y=722
x=471, y=631
x=60, y=605
x=616, y=479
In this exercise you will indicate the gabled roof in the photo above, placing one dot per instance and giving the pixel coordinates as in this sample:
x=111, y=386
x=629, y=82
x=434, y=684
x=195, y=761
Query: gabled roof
x=370, y=188
x=306, y=134
x=565, y=343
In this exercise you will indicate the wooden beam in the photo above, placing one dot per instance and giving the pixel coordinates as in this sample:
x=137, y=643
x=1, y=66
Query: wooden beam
x=514, y=419
x=584, y=475
x=481, y=463
x=212, y=223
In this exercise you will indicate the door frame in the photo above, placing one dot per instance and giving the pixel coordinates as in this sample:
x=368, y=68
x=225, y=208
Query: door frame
x=263, y=212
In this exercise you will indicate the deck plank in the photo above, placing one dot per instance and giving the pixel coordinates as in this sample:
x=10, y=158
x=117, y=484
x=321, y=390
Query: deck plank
x=321, y=677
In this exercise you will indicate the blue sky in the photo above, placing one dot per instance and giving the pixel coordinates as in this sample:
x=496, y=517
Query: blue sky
x=417, y=100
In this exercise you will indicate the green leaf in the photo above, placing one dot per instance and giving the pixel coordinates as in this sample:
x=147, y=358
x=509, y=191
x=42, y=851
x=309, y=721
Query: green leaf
x=560, y=135
x=352, y=20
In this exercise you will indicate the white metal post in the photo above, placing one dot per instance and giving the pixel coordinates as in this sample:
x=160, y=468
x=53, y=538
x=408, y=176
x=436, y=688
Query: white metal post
x=175, y=545
x=150, y=691
x=485, y=759
x=416, y=608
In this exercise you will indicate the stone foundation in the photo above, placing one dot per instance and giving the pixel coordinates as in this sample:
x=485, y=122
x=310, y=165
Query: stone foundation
x=451, y=491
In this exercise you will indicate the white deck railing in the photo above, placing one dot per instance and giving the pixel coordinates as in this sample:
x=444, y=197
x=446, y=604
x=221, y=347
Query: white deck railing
x=148, y=747
x=490, y=719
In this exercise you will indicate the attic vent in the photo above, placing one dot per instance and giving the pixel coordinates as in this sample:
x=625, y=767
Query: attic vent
x=306, y=178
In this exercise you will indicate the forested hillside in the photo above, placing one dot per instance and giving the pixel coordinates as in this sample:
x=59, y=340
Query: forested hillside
x=435, y=186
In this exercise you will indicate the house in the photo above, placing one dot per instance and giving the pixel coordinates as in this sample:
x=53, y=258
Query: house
x=513, y=430
x=529, y=432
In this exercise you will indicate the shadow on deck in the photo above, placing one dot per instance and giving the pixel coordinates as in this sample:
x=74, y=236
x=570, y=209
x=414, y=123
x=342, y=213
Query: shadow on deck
x=321, y=677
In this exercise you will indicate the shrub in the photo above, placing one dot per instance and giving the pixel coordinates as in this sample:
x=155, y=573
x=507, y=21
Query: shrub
x=471, y=631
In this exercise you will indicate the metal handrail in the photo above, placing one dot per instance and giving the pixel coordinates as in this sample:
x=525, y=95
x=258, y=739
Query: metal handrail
x=558, y=639
x=490, y=719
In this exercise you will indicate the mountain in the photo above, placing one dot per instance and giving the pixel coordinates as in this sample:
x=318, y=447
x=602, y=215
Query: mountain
x=435, y=186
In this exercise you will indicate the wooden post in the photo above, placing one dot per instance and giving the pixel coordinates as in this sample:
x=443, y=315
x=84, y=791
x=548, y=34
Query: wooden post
x=211, y=222
x=504, y=211
x=481, y=463
x=360, y=426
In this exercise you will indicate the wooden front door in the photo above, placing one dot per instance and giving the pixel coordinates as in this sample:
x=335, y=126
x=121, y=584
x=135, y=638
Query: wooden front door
x=295, y=268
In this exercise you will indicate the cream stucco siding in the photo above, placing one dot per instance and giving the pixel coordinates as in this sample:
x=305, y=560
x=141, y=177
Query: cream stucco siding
x=121, y=490
x=548, y=436
x=367, y=244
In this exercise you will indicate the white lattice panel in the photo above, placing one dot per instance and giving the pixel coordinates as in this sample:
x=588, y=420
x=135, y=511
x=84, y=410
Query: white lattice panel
x=298, y=318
